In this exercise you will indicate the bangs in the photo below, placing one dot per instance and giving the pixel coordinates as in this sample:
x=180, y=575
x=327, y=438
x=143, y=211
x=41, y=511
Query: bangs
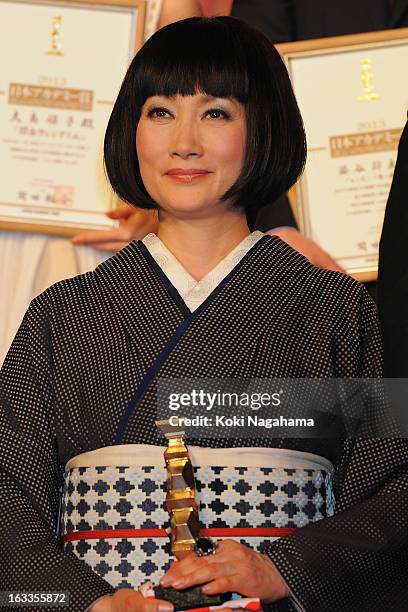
x=194, y=58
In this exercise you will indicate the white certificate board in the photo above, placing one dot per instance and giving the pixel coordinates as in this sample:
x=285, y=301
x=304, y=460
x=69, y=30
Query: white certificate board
x=61, y=68
x=353, y=98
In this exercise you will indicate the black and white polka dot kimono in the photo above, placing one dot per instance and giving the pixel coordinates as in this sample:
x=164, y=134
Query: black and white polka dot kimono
x=87, y=343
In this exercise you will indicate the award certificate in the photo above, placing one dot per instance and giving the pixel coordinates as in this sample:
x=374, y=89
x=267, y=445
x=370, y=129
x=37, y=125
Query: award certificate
x=353, y=99
x=61, y=68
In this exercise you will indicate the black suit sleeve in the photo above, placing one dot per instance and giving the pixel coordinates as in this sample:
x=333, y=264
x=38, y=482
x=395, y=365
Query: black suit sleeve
x=272, y=17
x=319, y=18
x=287, y=20
x=273, y=215
x=393, y=269
x=31, y=557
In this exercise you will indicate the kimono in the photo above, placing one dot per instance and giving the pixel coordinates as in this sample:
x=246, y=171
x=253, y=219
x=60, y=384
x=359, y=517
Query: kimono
x=93, y=348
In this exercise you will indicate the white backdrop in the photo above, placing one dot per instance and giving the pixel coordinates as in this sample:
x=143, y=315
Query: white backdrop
x=29, y=263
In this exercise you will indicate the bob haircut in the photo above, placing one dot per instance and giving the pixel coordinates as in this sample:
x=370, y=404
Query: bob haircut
x=221, y=57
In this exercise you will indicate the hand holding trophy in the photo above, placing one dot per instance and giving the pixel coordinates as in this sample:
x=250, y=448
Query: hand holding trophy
x=186, y=543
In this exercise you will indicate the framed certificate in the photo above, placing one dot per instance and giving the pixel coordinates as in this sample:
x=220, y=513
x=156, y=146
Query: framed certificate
x=353, y=98
x=62, y=66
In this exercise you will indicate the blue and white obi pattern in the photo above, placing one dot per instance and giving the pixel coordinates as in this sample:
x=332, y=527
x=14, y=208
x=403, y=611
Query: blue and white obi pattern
x=124, y=488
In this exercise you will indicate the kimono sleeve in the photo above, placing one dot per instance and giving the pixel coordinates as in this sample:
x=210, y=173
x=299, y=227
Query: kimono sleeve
x=31, y=557
x=357, y=559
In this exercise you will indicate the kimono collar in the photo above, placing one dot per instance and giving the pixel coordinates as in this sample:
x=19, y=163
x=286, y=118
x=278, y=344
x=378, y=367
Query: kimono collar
x=194, y=292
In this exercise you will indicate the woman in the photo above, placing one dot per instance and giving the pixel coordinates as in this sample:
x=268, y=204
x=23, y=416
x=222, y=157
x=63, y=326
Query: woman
x=207, y=130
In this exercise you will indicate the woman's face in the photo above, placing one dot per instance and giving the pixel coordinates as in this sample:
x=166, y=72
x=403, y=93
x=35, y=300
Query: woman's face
x=190, y=151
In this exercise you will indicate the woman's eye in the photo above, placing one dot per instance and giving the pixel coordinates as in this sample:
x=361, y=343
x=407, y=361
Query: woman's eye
x=217, y=113
x=158, y=113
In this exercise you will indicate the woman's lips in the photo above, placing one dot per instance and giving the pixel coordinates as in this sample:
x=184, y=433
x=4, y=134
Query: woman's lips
x=187, y=176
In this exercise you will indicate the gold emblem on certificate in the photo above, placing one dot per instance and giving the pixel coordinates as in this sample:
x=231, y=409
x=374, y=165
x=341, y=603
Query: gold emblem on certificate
x=55, y=36
x=367, y=79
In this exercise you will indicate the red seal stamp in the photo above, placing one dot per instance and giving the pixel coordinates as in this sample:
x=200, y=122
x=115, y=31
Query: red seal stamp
x=63, y=195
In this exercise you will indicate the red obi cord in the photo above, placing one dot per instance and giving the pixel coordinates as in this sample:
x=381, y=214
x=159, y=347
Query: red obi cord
x=238, y=532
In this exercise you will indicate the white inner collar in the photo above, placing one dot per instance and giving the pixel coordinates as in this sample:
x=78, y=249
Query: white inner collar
x=194, y=292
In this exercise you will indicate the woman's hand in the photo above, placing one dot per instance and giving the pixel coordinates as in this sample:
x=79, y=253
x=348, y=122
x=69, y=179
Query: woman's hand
x=234, y=568
x=306, y=247
x=134, y=224
x=128, y=600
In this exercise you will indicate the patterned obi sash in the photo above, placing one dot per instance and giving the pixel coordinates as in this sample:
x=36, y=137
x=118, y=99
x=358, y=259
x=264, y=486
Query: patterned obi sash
x=114, y=518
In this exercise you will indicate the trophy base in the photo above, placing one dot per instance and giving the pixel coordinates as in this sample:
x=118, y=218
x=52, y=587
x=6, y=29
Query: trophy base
x=188, y=599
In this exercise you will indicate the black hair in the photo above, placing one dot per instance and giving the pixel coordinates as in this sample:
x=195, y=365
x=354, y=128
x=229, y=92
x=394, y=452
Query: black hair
x=221, y=57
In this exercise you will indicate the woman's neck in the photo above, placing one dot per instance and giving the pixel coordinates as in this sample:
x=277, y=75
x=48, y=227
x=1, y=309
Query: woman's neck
x=201, y=245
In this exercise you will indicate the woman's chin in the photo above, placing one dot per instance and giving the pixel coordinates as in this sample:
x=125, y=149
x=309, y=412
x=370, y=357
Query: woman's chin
x=189, y=210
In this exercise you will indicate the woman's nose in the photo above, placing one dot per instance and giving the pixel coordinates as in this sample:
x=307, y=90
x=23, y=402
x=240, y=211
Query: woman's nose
x=186, y=141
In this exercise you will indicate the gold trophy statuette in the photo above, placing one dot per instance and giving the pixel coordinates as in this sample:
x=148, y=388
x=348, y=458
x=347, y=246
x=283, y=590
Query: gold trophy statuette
x=182, y=506
x=181, y=499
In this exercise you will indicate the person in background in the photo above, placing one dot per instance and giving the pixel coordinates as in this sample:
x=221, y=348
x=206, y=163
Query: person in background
x=393, y=269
